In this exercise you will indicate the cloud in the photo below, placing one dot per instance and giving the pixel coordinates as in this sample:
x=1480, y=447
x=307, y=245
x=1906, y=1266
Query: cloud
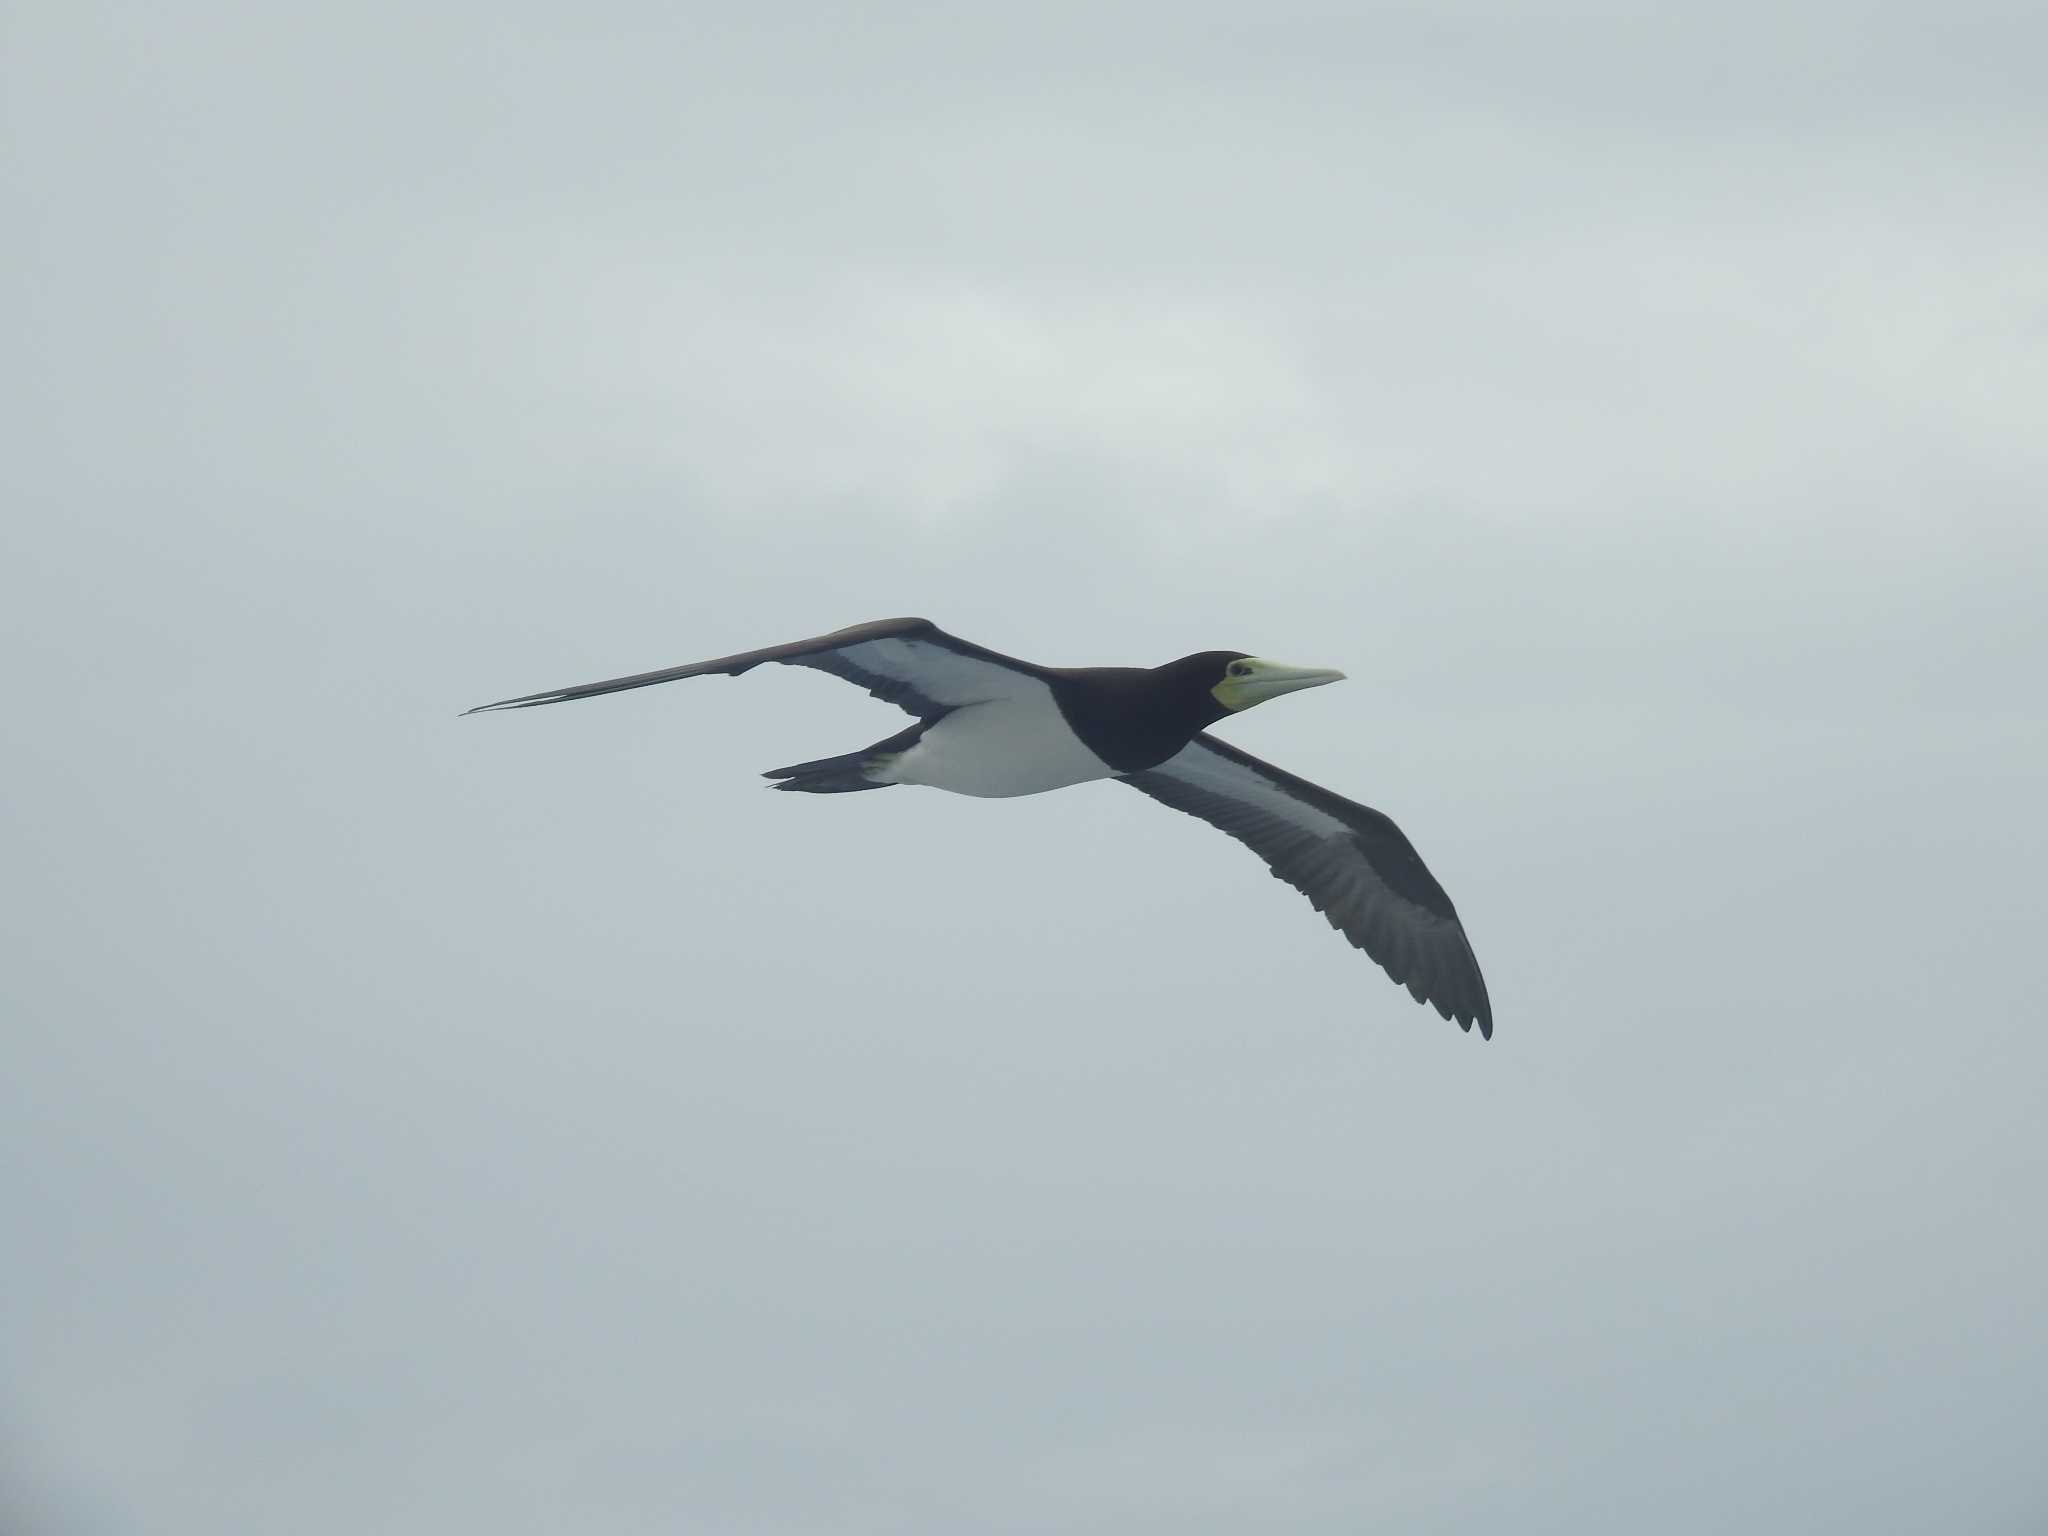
x=420, y=1123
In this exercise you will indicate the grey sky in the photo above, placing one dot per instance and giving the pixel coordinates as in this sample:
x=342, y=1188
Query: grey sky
x=415, y=1125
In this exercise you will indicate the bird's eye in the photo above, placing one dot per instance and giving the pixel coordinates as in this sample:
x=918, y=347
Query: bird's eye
x=1239, y=669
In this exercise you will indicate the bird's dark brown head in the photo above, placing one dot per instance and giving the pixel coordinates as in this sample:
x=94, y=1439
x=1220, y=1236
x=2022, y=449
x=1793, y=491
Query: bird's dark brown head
x=1137, y=717
x=1191, y=681
x=1219, y=683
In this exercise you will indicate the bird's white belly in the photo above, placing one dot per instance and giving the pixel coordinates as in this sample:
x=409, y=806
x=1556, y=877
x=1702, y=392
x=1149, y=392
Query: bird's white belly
x=1002, y=748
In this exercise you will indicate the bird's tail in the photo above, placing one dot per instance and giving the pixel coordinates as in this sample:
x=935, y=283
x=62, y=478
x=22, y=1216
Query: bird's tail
x=849, y=771
x=840, y=775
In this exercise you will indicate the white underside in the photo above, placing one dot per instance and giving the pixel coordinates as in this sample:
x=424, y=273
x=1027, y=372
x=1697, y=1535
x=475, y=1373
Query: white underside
x=1195, y=764
x=943, y=676
x=1015, y=746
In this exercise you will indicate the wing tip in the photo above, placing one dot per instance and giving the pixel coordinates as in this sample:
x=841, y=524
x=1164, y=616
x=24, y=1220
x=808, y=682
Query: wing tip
x=525, y=702
x=1469, y=1014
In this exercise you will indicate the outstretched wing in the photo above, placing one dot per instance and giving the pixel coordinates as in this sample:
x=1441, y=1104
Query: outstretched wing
x=911, y=663
x=1348, y=859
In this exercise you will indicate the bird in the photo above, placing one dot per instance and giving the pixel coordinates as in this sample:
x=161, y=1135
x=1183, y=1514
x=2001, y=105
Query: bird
x=993, y=726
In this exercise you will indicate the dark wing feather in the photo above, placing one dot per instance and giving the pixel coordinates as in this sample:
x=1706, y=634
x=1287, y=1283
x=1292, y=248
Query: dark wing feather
x=910, y=663
x=1349, y=860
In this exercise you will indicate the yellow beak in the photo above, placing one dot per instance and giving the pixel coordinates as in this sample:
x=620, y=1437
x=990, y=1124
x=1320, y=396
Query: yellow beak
x=1268, y=680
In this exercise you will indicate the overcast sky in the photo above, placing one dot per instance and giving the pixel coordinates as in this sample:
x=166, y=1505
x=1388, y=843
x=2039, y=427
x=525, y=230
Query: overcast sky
x=418, y=1125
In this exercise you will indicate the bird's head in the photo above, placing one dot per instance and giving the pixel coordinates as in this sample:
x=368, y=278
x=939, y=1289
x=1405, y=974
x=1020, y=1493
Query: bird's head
x=1236, y=681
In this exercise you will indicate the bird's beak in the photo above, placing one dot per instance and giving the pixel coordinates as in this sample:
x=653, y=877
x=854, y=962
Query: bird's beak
x=1268, y=680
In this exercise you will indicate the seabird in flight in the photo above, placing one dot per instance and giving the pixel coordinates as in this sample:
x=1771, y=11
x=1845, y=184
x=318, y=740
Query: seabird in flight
x=994, y=726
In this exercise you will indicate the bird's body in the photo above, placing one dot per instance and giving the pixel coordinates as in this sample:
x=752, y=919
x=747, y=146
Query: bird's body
x=994, y=727
x=996, y=751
